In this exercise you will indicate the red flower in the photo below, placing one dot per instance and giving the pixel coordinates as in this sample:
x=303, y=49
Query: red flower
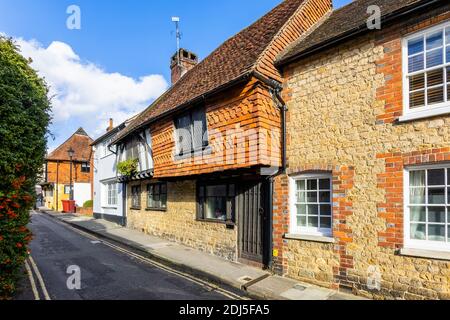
x=1, y=238
x=19, y=245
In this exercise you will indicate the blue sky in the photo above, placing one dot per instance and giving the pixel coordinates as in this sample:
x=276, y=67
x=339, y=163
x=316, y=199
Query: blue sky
x=120, y=42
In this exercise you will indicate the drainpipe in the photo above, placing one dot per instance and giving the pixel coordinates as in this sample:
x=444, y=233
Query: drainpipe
x=275, y=90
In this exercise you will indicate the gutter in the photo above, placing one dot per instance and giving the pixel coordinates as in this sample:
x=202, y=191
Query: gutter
x=355, y=32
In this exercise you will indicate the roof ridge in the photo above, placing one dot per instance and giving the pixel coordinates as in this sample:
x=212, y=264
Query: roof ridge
x=67, y=140
x=280, y=31
x=305, y=34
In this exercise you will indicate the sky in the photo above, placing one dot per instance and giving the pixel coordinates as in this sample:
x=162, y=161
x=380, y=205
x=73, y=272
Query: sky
x=117, y=63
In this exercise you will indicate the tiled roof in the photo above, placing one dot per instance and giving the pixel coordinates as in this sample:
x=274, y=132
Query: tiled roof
x=235, y=58
x=80, y=142
x=352, y=17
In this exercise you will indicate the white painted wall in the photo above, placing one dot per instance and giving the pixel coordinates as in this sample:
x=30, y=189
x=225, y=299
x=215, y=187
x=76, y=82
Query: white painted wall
x=81, y=193
x=105, y=172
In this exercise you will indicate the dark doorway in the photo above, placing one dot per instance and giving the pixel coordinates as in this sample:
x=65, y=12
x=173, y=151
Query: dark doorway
x=253, y=222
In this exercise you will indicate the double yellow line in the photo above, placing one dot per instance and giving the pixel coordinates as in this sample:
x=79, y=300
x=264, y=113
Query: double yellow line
x=34, y=285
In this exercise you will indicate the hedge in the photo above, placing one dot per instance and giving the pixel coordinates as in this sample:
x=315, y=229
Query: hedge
x=24, y=120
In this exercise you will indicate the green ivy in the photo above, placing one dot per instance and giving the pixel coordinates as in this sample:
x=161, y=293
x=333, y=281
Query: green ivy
x=128, y=168
x=24, y=120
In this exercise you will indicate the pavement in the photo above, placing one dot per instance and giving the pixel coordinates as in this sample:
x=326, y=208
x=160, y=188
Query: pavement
x=256, y=283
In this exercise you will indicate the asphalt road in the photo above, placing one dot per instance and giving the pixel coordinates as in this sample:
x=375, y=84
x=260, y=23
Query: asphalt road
x=105, y=272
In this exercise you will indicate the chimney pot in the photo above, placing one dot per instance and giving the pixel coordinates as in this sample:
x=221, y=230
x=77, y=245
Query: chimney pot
x=187, y=60
x=111, y=124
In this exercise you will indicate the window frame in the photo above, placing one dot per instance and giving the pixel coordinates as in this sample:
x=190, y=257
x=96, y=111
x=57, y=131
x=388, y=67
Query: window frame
x=425, y=244
x=231, y=202
x=309, y=231
x=161, y=207
x=108, y=194
x=67, y=186
x=85, y=167
x=133, y=194
x=426, y=110
x=205, y=140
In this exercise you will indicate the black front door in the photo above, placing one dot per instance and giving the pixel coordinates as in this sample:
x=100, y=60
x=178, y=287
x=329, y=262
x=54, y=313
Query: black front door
x=252, y=221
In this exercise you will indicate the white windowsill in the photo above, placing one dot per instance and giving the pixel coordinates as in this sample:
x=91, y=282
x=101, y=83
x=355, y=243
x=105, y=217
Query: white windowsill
x=421, y=253
x=109, y=207
x=425, y=114
x=312, y=238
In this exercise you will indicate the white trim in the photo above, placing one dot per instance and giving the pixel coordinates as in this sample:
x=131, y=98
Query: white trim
x=308, y=231
x=422, y=244
x=427, y=110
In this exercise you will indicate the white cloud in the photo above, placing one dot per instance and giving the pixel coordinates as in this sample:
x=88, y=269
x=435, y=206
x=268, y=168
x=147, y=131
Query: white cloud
x=84, y=92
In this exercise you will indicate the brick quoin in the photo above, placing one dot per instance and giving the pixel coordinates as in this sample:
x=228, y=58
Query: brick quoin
x=342, y=177
x=391, y=181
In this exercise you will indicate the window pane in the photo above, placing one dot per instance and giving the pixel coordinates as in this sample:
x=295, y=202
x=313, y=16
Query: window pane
x=312, y=197
x=313, y=222
x=436, y=195
x=325, y=210
x=313, y=209
x=417, y=99
x=325, y=223
x=434, y=58
x=417, y=178
x=417, y=82
x=436, y=95
x=415, y=46
x=436, y=177
x=417, y=196
x=301, y=196
x=216, y=208
x=301, y=209
x=436, y=232
x=418, y=214
x=447, y=54
x=163, y=200
x=324, y=196
x=183, y=133
x=301, y=221
x=231, y=190
x=434, y=40
x=324, y=184
x=447, y=35
x=418, y=231
x=312, y=184
x=415, y=63
x=199, y=123
x=164, y=188
x=216, y=191
x=435, y=77
x=436, y=214
x=301, y=185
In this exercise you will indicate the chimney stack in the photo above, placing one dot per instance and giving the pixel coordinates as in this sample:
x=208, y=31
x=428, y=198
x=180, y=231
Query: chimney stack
x=111, y=125
x=182, y=62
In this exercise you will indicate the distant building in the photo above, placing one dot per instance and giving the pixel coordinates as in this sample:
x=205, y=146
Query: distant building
x=56, y=184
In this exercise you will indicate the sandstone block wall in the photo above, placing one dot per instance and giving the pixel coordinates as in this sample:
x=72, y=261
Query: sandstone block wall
x=341, y=114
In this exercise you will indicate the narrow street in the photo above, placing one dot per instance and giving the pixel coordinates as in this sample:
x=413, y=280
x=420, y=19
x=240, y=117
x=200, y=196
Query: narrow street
x=107, y=272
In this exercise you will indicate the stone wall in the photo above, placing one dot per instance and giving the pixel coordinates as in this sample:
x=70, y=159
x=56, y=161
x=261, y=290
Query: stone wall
x=336, y=102
x=179, y=222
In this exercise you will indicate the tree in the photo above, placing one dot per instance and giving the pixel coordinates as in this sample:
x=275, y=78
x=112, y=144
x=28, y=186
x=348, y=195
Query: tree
x=24, y=120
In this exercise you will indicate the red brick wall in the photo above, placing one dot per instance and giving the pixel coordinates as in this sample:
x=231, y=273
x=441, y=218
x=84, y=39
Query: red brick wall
x=391, y=64
x=63, y=174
